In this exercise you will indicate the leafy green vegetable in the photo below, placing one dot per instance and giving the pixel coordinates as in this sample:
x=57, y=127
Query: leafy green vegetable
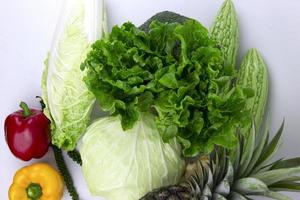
x=68, y=101
x=126, y=165
x=175, y=72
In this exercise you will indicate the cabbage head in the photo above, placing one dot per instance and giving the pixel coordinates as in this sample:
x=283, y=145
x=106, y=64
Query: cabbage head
x=125, y=165
x=68, y=101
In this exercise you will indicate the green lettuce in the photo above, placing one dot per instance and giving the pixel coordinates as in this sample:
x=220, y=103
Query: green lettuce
x=175, y=72
x=67, y=99
x=125, y=165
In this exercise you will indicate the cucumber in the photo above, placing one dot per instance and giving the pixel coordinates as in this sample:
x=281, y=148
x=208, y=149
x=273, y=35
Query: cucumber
x=253, y=74
x=225, y=32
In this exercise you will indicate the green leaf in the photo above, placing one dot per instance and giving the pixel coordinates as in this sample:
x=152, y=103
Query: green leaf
x=236, y=154
x=268, y=166
x=169, y=80
x=290, y=163
x=270, y=150
x=130, y=116
x=225, y=138
x=290, y=186
x=261, y=139
x=247, y=152
x=169, y=133
x=276, y=175
x=278, y=196
x=223, y=188
x=230, y=173
x=236, y=196
x=145, y=101
x=250, y=186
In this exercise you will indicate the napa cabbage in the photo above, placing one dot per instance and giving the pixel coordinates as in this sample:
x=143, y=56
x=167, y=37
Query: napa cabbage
x=68, y=101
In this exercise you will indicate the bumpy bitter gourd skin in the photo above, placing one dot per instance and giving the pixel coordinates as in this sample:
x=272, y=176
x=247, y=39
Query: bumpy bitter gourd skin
x=253, y=74
x=253, y=71
x=225, y=31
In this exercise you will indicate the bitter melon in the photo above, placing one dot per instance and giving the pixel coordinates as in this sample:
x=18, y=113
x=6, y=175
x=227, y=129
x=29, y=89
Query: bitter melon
x=225, y=31
x=253, y=74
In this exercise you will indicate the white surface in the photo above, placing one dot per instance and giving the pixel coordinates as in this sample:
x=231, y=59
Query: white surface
x=26, y=28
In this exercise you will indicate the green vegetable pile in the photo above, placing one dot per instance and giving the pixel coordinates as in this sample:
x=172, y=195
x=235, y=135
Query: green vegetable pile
x=171, y=90
x=175, y=72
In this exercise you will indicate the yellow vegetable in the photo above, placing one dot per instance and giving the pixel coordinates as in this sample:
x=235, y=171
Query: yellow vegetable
x=39, y=181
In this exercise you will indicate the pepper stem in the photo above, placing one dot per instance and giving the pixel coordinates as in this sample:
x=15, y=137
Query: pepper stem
x=26, y=110
x=34, y=191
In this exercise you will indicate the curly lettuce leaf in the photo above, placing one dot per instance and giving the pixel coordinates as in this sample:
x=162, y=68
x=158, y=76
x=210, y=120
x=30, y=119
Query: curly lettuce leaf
x=175, y=72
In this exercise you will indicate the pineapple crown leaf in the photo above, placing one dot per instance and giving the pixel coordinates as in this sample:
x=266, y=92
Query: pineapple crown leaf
x=271, y=149
x=278, y=196
x=290, y=186
x=252, y=172
x=248, y=151
x=294, y=162
x=239, y=174
x=250, y=186
x=273, y=176
x=261, y=143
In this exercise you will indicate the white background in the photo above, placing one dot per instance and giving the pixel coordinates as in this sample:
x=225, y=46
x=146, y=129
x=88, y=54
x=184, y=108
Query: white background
x=26, y=29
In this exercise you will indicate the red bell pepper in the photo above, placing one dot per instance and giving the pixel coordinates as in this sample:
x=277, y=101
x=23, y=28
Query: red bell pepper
x=27, y=133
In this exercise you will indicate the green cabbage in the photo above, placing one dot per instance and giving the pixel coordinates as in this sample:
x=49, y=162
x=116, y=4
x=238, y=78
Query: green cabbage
x=68, y=101
x=125, y=165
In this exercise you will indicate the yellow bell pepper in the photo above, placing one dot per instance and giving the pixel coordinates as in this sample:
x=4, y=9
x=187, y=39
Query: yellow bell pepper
x=39, y=181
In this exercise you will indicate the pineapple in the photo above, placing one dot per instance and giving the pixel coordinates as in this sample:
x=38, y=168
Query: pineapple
x=241, y=175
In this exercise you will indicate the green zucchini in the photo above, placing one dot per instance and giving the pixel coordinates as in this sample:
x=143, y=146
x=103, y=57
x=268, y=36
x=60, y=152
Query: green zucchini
x=225, y=31
x=253, y=74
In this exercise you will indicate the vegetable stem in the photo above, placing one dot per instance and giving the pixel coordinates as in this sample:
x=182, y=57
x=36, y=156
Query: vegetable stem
x=26, y=110
x=34, y=191
x=41, y=102
x=65, y=173
x=75, y=156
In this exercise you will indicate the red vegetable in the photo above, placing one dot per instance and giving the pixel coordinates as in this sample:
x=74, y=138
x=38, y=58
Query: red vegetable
x=27, y=133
